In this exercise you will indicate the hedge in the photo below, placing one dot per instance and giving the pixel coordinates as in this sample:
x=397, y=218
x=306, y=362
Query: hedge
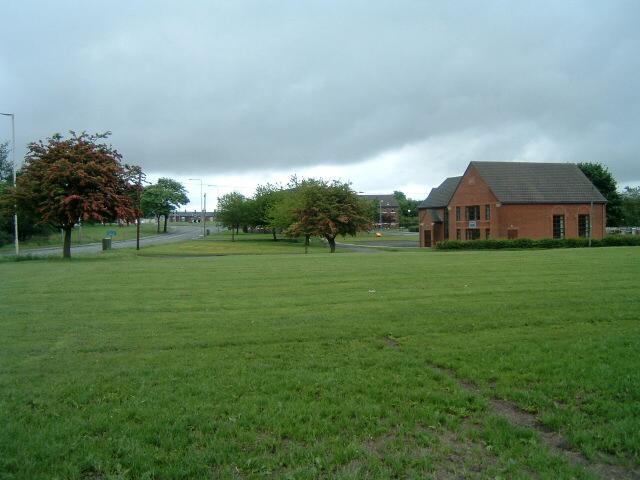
x=610, y=241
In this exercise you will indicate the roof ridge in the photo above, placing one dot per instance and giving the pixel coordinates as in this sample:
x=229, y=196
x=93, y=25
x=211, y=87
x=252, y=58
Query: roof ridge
x=508, y=162
x=538, y=182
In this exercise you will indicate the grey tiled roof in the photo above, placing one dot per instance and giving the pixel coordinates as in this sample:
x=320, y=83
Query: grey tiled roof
x=387, y=200
x=441, y=195
x=522, y=182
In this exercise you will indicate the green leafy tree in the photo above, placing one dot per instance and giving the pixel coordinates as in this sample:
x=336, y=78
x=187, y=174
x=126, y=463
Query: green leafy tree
x=252, y=216
x=265, y=199
x=408, y=209
x=77, y=178
x=282, y=213
x=6, y=168
x=604, y=181
x=27, y=220
x=162, y=198
x=328, y=209
x=152, y=203
x=373, y=210
x=232, y=211
x=6, y=175
x=631, y=206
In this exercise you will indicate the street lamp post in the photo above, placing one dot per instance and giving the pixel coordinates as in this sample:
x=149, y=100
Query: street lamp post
x=204, y=232
x=13, y=161
x=139, y=191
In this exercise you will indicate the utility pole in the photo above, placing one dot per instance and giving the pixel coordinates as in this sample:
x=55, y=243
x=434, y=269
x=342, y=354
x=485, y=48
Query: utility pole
x=204, y=217
x=139, y=209
x=13, y=161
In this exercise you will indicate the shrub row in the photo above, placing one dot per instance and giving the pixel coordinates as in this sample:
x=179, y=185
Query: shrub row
x=610, y=241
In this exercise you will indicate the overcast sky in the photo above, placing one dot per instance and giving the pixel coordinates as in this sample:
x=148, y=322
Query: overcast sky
x=389, y=95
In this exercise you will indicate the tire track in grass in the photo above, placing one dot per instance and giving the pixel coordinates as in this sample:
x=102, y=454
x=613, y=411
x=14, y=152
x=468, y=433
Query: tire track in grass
x=554, y=441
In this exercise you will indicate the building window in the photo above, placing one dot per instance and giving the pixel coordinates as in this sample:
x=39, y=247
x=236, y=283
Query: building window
x=487, y=212
x=457, y=214
x=472, y=212
x=487, y=234
x=472, y=234
x=446, y=224
x=458, y=236
x=584, y=225
x=558, y=226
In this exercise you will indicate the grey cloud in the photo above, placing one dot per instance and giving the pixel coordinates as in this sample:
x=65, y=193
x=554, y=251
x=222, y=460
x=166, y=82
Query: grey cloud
x=241, y=86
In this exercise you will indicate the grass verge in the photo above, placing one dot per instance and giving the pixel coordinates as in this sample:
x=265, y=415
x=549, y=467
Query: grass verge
x=84, y=235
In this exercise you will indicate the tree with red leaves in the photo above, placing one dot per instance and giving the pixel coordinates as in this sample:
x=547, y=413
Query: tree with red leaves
x=77, y=178
x=327, y=209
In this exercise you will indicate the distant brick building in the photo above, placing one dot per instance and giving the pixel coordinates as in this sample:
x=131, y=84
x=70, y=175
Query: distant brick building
x=388, y=210
x=513, y=200
x=191, y=217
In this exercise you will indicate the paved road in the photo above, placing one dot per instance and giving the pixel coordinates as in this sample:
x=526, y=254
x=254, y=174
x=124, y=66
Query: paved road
x=177, y=234
x=189, y=232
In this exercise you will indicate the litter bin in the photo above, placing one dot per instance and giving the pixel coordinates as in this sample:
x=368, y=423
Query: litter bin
x=106, y=244
x=208, y=232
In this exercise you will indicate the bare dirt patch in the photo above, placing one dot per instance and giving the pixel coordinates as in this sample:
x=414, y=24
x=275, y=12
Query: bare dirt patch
x=391, y=342
x=452, y=455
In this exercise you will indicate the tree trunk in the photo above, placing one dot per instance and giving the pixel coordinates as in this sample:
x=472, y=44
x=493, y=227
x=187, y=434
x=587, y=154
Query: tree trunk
x=165, y=223
x=332, y=243
x=66, y=249
x=306, y=243
x=158, y=223
x=273, y=231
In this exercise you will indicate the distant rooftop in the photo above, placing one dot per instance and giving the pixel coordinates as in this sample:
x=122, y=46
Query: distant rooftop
x=387, y=200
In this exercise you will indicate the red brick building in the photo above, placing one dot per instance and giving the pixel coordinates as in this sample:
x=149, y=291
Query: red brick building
x=388, y=210
x=513, y=200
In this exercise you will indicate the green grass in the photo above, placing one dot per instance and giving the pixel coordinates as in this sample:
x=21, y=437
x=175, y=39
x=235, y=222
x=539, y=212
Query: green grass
x=307, y=366
x=370, y=238
x=86, y=234
x=244, y=244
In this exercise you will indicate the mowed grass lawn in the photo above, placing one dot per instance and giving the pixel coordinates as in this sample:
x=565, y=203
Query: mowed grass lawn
x=371, y=238
x=244, y=244
x=311, y=366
